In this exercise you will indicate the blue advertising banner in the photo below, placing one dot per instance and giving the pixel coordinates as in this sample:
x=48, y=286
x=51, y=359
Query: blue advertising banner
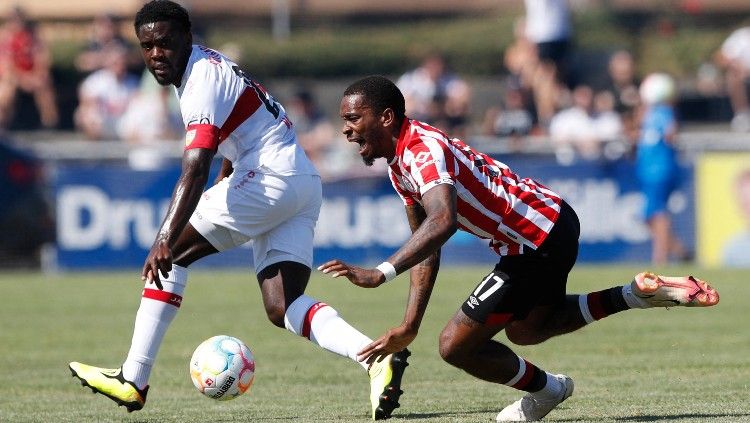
x=107, y=216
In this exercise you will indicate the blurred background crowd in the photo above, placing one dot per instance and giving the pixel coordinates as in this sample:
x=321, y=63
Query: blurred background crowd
x=563, y=77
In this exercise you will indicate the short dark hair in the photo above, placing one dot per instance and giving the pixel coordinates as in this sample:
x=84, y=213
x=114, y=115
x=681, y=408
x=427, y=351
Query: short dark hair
x=162, y=11
x=380, y=93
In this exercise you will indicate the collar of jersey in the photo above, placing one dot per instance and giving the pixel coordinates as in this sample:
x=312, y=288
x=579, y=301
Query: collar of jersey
x=401, y=142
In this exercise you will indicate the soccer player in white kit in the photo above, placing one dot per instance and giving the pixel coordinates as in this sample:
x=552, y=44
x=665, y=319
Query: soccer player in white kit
x=269, y=192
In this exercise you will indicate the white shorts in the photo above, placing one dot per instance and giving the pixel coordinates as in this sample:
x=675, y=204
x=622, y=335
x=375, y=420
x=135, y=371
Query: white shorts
x=278, y=213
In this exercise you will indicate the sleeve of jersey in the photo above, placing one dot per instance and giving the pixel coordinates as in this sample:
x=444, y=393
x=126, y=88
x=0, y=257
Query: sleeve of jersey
x=205, y=105
x=406, y=197
x=433, y=165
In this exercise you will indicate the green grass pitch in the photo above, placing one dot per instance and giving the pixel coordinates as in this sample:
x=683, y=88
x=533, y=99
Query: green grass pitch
x=676, y=365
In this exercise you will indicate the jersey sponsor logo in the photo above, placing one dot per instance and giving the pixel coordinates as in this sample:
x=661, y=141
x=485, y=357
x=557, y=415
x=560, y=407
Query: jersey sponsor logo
x=421, y=157
x=214, y=58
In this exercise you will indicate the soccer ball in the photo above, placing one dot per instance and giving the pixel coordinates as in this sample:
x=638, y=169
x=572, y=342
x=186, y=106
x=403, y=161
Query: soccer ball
x=222, y=367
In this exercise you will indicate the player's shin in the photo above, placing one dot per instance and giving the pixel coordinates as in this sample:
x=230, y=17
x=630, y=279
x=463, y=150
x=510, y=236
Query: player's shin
x=321, y=324
x=600, y=304
x=156, y=312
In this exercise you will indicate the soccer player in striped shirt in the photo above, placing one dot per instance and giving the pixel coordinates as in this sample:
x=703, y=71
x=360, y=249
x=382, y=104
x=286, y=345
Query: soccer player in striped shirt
x=447, y=185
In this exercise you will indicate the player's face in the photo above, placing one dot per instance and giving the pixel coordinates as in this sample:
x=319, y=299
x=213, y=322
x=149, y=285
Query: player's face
x=366, y=128
x=166, y=49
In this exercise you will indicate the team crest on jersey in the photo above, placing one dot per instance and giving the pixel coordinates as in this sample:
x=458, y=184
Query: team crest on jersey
x=407, y=184
x=189, y=137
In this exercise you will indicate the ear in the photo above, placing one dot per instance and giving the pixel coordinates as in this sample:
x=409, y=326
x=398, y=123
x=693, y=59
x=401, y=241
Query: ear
x=387, y=118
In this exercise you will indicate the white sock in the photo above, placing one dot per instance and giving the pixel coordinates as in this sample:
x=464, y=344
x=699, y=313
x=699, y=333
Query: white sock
x=322, y=325
x=158, y=308
x=631, y=299
x=552, y=389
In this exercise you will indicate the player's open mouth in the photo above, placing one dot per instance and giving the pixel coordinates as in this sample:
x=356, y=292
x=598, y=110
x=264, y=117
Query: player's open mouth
x=361, y=142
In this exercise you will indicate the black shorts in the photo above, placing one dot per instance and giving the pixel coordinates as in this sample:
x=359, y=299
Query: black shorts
x=537, y=277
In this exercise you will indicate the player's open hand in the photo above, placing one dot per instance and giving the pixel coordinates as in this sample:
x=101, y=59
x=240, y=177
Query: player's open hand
x=366, y=278
x=395, y=340
x=159, y=259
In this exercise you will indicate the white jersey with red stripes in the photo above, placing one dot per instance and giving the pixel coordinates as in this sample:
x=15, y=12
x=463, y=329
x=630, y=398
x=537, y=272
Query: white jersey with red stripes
x=493, y=202
x=224, y=109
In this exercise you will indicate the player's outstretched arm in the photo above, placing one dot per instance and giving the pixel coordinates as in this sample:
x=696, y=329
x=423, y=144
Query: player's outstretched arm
x=196, y=164
x=365, y=278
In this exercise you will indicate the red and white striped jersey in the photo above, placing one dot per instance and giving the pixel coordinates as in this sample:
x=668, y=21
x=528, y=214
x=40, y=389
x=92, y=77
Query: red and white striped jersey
x=493, y=202
x=224, y=109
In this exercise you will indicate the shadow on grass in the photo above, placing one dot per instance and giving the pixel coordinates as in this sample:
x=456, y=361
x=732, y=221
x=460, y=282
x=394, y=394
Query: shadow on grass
x=686, y=416
x=445, y=414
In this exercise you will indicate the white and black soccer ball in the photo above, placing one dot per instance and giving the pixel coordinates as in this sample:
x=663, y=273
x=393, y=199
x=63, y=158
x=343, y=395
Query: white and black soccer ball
x=222, y=367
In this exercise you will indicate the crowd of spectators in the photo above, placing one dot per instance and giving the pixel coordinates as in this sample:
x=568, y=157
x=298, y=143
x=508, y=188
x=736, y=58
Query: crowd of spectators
x=543, y=93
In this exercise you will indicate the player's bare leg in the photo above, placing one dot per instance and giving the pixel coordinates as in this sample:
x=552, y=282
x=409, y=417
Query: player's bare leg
x=468, y=345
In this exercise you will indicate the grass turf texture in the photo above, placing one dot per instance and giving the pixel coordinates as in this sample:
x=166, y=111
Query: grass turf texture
x=678, y=365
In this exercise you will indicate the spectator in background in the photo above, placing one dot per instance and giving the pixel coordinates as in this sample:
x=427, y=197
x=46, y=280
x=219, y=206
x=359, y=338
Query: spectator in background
x=151, y=116
x=105, y=34
x=25, y=66
x=656, y=164
x=608, y=124
x=521, y=61
x=436, y=95
x=734, y=58
x=623, y=84
x=512, y=119
x=314, y=131
x=586, y=126
x=548, y=27
x=104, y=97
x=737, y=250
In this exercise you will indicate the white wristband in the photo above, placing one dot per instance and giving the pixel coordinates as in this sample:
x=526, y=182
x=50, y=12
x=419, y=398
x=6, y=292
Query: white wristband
x=388, y=270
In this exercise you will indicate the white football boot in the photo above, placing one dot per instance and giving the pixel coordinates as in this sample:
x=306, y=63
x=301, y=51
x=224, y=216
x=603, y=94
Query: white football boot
x=531, y=408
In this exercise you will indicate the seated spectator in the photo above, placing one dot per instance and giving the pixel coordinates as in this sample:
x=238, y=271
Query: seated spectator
x=25, y=67
x=607, y=122
x=105, y=34
x=437, y=96
x=152, y=115
x=734, y=58
x=104, y=97
x=582, y=129
x=512, y=119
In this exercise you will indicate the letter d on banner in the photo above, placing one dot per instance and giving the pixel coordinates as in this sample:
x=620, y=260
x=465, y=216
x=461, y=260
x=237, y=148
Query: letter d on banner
x=81, y=217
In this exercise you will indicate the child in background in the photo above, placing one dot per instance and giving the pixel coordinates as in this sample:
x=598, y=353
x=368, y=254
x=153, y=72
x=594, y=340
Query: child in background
x=656, y=164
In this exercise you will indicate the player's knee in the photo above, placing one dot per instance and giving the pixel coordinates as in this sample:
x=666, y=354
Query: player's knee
x=451, y=351
x=275, y=313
